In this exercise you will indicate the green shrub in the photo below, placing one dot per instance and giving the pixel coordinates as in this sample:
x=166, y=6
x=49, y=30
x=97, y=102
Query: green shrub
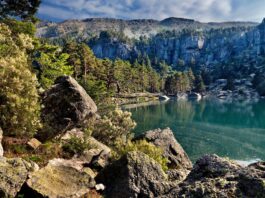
x=22, y=27
x=19, y=102
x=75, y=146
x=143, y=146
x=114, y=126
x=34, y=158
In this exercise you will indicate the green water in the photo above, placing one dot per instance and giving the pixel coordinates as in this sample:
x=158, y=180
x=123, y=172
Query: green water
x=235, y=130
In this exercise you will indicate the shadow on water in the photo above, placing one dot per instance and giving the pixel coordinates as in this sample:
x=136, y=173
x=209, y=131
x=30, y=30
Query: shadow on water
x=235, y=130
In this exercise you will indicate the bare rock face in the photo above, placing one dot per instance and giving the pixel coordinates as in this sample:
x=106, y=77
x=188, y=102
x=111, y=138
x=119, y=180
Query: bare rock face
x=66, y=106
x=252, y=180
x=60, y=178
x=213, y=176
x=213, y=166
x=13, y=174
x=165, y=140
x=134, y=175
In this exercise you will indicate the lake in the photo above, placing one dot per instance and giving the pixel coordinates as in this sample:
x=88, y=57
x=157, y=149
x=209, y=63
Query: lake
x=235, y=130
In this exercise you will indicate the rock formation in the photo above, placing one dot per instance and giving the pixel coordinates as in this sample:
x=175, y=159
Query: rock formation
x=178, y=159
x=170, y=40
x=66, y=106
x=58, y=179
x=13, y=174
x=134, y=175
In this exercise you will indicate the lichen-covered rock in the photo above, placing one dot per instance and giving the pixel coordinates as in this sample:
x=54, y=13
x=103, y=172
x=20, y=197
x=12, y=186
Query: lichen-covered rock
x=165, y=140
x=177, y=175
x=13, y=174
x=58, y=179
x=34, y=143
x=73, y=133
x=252, y=180
x=98, y=145
x=212, y=166
x=213, y=176
x=66, y=106
x=134, y=175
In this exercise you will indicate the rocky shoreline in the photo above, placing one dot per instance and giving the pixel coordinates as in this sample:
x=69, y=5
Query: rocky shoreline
x=133, y=175
x=95, y=173
x=242, y=90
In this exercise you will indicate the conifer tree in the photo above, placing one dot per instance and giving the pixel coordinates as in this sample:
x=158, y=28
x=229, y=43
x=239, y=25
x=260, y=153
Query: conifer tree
x=199, y=84
x=53, y=63
x=24, y=9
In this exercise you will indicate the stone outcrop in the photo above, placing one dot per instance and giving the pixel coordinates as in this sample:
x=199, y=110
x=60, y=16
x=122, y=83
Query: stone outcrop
x=211, y=166
x=66, y=106
x=73, y=133
x=252, y=180
x=60, y=178
x=213, y=176
x=134, y=175
x=164, y=139
x=137, y=175
x=13, y=174
x=242, y=90
x=130, y=28
x=165, y=40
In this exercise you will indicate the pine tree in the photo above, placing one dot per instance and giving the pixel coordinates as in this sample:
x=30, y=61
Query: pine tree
x=88, y=59
x=191, y=78
x=199, y=84
x=74, y=59
x=24, y=9
x=53, y=63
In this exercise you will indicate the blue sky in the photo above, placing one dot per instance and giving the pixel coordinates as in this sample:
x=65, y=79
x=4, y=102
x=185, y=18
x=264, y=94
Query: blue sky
x=202, y=10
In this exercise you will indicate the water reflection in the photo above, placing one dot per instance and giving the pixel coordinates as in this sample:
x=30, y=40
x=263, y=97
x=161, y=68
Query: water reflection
x=235, y=130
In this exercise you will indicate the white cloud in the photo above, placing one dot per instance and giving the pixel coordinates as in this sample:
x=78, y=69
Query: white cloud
x=203, y=10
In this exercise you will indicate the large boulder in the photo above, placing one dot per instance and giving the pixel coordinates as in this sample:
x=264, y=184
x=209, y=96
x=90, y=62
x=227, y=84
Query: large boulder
x=165, y=140
x=212, y=166
x=60, y=178
x=213, y=176
x=13, y=174
x=1, y=147
x=66, y=105
x=134, y=175
x=252, y=180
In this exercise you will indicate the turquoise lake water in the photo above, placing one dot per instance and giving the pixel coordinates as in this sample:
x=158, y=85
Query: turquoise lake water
x=235, y=130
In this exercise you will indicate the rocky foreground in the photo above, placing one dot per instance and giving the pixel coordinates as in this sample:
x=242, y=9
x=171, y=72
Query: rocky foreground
x=94, y=173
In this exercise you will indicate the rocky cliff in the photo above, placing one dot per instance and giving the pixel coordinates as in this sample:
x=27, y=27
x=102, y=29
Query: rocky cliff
x=174, y=40
x=130, y=28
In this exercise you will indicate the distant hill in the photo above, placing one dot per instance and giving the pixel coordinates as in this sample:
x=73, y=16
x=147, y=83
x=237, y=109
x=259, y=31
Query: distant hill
x=131, y=28
x=181, y=43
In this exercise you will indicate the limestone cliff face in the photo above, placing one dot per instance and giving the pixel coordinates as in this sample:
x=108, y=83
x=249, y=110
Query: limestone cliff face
x=209, y=47
x=173, y=40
